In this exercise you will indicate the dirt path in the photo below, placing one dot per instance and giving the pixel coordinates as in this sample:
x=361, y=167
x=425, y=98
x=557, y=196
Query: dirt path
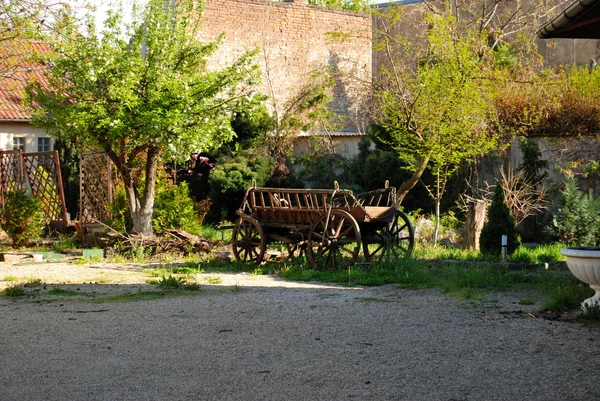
x=261, y=338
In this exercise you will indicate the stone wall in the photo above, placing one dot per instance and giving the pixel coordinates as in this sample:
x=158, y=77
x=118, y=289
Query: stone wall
x=294, y=40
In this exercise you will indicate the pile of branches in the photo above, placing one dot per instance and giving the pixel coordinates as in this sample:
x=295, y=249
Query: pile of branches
x=168, y=241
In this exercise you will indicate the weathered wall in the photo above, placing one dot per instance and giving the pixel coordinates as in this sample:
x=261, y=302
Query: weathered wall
x=294, y=40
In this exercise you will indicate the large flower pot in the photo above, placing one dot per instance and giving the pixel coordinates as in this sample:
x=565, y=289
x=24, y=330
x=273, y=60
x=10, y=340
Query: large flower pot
x=584, y=263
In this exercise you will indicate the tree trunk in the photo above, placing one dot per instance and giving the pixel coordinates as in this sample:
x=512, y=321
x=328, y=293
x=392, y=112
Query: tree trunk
x=141, y=207
x=143, y=223
x=474, y=224
x=412, y=181
x=438, y=200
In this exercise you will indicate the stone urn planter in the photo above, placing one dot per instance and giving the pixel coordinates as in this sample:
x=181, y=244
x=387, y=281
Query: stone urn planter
x=584, y=263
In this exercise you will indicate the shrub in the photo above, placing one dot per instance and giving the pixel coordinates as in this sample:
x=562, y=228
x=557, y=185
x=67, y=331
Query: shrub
x=230, y=178
x=174, y=209
x=575, y=218
x=21, y=217
x=499, y=223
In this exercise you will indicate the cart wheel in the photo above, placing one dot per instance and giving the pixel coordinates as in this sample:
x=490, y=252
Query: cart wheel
x=401, y=235
x=249, y=242
x=334, y=241
x=376, y=243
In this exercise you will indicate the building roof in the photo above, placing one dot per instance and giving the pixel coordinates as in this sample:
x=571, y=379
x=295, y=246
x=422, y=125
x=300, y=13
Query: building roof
x=581, y=20
x=17, y=69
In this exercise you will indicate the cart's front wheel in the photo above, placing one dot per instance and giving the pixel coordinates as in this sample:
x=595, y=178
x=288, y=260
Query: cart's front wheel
x=249, y=241
x=334, y=241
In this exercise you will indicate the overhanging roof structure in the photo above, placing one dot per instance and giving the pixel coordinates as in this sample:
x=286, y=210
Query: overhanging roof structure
x=581, y=20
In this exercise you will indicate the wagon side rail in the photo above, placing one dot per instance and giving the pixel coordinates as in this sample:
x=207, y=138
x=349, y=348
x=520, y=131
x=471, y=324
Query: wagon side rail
x=384, y=197
x=292, y=207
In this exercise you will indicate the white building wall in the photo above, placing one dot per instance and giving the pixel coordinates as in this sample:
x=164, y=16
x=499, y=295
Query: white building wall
x=10, y=130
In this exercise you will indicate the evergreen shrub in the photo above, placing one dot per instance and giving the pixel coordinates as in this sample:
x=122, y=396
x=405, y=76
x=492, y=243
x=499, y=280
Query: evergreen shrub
x=575, y=219
x=499, y=223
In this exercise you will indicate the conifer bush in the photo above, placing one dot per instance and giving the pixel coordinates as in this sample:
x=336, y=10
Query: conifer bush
x=575, y=219
x=499, y=223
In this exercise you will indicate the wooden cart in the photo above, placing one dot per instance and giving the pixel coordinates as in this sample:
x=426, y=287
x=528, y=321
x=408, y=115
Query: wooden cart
x=329, y=225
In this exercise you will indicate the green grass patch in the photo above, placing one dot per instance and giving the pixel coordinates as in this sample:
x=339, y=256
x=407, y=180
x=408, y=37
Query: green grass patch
x=212, y=234
x=544, y=253
x=10, y=278
x=562, y=289
x=63, y=292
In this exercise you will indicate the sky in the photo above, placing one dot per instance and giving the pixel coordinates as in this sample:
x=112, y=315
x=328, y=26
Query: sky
x=103, y=5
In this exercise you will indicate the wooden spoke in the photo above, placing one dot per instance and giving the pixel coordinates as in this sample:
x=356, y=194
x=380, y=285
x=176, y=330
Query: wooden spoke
x=248, y=241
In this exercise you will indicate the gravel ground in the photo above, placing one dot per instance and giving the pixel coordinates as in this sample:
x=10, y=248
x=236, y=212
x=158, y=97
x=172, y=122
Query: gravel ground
x=262, y=338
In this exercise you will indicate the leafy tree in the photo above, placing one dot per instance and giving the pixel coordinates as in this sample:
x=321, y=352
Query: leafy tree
x=142, y=91
x=499, y=223
x=436, y=112
x=351, y=5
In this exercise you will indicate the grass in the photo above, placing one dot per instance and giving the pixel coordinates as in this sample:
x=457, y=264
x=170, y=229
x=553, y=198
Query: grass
x=464, y=280
x=14, y=291
x=214, y=235
x=539, y=254
x=464, y=274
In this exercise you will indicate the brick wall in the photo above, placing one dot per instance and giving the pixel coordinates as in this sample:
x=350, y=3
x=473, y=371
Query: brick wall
x=294, y=40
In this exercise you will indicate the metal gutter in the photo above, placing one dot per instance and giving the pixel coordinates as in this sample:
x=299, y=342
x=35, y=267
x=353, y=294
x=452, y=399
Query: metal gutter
x=14, y=120
x=571, y=13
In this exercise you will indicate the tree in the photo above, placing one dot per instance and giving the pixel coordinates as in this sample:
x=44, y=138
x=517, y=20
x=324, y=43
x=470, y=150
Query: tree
x=437, y=112
x=141, y=92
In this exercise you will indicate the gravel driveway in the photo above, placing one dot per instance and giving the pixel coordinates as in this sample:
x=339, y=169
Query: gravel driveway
x=268, y=339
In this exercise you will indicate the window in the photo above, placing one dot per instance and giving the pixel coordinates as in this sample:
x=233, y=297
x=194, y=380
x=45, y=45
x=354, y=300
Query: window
x=19, y=143
x=43, y=144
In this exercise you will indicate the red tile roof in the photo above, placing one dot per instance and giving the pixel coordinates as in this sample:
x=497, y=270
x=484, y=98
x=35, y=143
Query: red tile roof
x=17, y=69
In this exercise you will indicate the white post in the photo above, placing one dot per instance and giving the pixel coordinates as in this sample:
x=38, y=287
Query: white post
x=504, y=246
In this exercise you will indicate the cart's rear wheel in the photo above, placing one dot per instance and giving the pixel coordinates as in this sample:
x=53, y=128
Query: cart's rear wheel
x=376, y=243
x=401, y=236
x=394, y=240
x=334, y=241
x=249, y=243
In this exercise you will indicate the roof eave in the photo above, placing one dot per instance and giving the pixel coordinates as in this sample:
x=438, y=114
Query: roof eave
x=554, y=28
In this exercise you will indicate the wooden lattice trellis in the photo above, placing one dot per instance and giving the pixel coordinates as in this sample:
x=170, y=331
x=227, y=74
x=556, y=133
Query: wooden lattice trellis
x=43, y=175
x=42, y=170
x=11, y=172
x=95, y=187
